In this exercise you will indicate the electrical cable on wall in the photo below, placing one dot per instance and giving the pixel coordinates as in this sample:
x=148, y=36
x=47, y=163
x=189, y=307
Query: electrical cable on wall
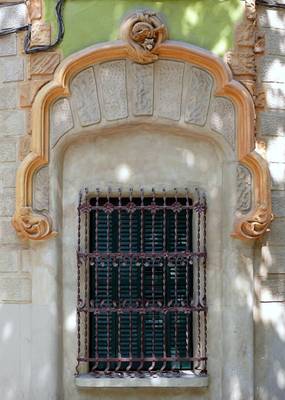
x=27, y=42
x=60, y=33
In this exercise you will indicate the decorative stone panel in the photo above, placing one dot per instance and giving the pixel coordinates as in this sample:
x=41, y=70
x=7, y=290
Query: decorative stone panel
x=61, y=120
x=198, y=97
x=142, y=87
x=170, y=78
x=244, y=189
x=222, y=119
x=113, y=88
x=85, y=97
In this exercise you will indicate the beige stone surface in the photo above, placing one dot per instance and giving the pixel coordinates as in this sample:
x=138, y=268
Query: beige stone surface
x=40, y=34
x=29, y=89
x=16, y=339
x=12, y=122
x=7, y=202
x=271, y=123
x=271, y=18
x=13, y=16
x=41, y=186
x=8, y=96
x=12, y=69
x=274, y=41
x=275, y=95
x=9, y=259
x=8, y=45
x=24, y=146
x=8, y=175
x=15, y=288
x=272, y=69
x=43, y=63
x=7, y=150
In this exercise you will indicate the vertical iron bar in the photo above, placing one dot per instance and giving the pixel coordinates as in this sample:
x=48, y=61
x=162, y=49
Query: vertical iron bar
x=187, y=316
x=175, y=266
x=96, y=279
x=199, y=277
x=108, y=284
x=152, y=276
x=164, y=280
x=78, y=282
x=130, y=261
x=205, y=280
x=119, y=281
x=86, y=277
x=140, y=367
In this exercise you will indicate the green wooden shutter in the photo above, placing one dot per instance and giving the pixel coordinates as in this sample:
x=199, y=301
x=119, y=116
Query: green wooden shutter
x=157, y=327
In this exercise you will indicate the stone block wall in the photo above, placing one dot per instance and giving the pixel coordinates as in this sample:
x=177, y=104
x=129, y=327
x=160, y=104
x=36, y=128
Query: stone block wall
x=270, y=256
x=15, y=282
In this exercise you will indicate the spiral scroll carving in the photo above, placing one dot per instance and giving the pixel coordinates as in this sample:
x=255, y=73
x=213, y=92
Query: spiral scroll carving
x=32, y=225
x=258, y=224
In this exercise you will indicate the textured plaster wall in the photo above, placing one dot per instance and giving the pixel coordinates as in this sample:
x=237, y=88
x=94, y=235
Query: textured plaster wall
x=205, y=23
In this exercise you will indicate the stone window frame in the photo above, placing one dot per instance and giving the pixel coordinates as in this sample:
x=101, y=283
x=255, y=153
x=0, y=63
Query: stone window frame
x=34, y=225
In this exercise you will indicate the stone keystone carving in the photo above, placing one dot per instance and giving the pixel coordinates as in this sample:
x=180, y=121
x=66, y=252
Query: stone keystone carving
x=144, y=32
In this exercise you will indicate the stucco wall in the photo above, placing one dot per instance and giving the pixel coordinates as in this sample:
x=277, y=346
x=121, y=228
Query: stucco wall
x=188, y=21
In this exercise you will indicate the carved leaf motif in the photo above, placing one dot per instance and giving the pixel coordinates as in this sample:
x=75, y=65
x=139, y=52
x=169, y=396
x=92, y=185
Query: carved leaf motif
x=244, y=187
x=199, y=97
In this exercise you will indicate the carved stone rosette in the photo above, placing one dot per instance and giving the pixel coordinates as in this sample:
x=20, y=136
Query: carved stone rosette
x=144, y=32
x=143, y=35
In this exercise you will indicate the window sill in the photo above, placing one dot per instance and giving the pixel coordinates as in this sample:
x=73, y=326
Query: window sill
x=187, y=380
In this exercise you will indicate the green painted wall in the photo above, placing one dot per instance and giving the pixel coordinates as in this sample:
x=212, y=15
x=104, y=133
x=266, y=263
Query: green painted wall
x=205, y=23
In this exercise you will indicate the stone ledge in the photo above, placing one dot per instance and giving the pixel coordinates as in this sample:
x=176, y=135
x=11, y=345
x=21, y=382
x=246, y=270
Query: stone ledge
x=188, y=380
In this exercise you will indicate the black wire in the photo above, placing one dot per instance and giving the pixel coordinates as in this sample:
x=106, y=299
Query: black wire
x=8, y=31
x=60, y=33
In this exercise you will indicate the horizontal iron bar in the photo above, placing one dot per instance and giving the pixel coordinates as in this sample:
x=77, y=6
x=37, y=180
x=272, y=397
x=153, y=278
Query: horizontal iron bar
x=141, y=310
x=113, y=207
x=161, y=254
x=139, y=359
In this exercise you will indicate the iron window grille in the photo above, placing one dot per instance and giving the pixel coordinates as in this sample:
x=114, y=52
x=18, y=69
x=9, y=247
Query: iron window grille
x=141, y=284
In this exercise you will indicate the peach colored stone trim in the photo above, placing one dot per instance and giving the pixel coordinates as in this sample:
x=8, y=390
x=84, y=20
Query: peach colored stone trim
x=33, y=225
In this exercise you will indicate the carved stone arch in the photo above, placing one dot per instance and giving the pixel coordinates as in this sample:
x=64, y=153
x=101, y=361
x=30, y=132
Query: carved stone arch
x=227, y=98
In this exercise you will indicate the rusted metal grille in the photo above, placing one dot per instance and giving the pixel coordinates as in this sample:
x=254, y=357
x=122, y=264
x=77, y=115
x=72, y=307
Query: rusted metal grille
x=141, y=285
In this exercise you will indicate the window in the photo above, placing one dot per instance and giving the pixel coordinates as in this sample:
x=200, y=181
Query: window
x=140, y=282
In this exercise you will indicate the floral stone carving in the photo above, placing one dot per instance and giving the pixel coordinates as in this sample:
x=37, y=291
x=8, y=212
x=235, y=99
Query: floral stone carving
x=144, y=32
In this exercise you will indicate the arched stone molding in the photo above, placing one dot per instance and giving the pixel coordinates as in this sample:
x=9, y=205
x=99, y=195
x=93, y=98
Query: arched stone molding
x=221, y=109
